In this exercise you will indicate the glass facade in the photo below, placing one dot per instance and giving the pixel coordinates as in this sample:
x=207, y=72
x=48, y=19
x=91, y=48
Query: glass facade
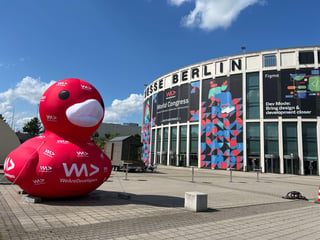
x=290, y=148
x=270, y=60
x=164, y=152
x=271, y=147
x=158, y=146
x=173, y=147
x=252, y=97
x=310, y=150
x=193, y=156
x=253, y=146
x=182, y=156
x=306, y=57
x=290, y=138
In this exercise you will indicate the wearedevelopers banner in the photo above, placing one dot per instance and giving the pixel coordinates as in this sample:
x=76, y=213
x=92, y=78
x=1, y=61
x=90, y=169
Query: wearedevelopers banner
x=147, y=111
x=177, y=104
x=222, y=123
x=290, y=93
x=146, y=129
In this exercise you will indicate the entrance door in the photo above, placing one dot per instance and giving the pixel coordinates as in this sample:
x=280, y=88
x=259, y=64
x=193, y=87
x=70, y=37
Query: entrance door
x=310, y=167
x=182, y=160
x=291, y=164
x=164, y=159
x=172, y=159
x=272, y=164
x=253, y=162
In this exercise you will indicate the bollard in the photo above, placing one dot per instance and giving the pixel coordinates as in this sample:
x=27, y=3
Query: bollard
x=192, y=174
x=126, y=173
x=258, y=171
x=230, y=169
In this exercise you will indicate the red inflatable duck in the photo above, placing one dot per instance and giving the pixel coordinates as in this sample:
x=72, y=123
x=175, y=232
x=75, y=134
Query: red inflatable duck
x=63, y=161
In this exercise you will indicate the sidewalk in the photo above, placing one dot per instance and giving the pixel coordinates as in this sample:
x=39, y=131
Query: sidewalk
x=246, y=208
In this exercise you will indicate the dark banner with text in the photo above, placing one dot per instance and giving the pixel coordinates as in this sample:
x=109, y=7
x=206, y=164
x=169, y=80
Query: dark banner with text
x=290, y=93
x=177, y=104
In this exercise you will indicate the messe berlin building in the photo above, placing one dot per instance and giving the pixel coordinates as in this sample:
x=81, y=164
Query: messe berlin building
x=258, y=110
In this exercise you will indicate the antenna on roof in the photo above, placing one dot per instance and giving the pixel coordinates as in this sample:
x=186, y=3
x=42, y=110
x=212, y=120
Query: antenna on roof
x=12, y=120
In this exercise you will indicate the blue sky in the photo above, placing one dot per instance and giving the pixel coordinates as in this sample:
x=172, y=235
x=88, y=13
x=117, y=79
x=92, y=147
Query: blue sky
x=120, y=45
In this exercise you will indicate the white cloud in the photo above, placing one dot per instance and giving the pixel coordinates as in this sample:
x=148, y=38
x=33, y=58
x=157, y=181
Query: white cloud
x=28, y=89
x=121, y=110
x=212, y=14
x=6, y=99
x=31, y=89
x=20, y=120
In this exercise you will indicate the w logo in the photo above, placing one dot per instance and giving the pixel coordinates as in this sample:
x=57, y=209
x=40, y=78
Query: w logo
x=86, y=87
x=83, y=170
x=9, y=164
x=51, y=118
x=82, y=154
x=38, y=181
x=45, y=169
x=171, y=93
x=49, y=153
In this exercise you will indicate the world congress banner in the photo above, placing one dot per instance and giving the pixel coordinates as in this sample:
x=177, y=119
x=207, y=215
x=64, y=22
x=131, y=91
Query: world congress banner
x=177, y=104
x=290, y=93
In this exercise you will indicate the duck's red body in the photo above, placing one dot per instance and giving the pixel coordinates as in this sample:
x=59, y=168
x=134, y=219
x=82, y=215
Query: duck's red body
x=63, y=161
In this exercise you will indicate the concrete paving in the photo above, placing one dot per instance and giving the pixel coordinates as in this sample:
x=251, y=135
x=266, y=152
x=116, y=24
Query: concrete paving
x=151, y=206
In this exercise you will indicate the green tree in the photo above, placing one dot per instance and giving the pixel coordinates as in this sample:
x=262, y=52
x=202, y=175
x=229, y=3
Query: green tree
x=111, y=135
x=95, y=136
x=33, y=127
x=100, y=141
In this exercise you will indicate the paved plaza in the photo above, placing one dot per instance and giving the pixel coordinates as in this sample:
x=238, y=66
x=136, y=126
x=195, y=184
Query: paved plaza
x=151, y=206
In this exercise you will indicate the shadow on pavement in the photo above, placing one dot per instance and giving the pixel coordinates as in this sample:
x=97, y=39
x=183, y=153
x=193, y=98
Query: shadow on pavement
x=109, y=198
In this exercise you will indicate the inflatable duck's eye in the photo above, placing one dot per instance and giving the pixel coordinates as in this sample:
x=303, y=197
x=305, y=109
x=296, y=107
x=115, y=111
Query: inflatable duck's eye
x=102, y=103
x=63, y=95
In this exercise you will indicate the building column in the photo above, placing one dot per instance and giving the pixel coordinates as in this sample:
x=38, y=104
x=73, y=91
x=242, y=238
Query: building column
x=199, y=125
x=280, y=144
x=169, y=145
x=178, y=145
x=262, y=160
x=161, y=144
x=188, y=145
x=199, y=144
x=244, y=119
x=300, y=145
x=261, y=121
x=151, y=144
